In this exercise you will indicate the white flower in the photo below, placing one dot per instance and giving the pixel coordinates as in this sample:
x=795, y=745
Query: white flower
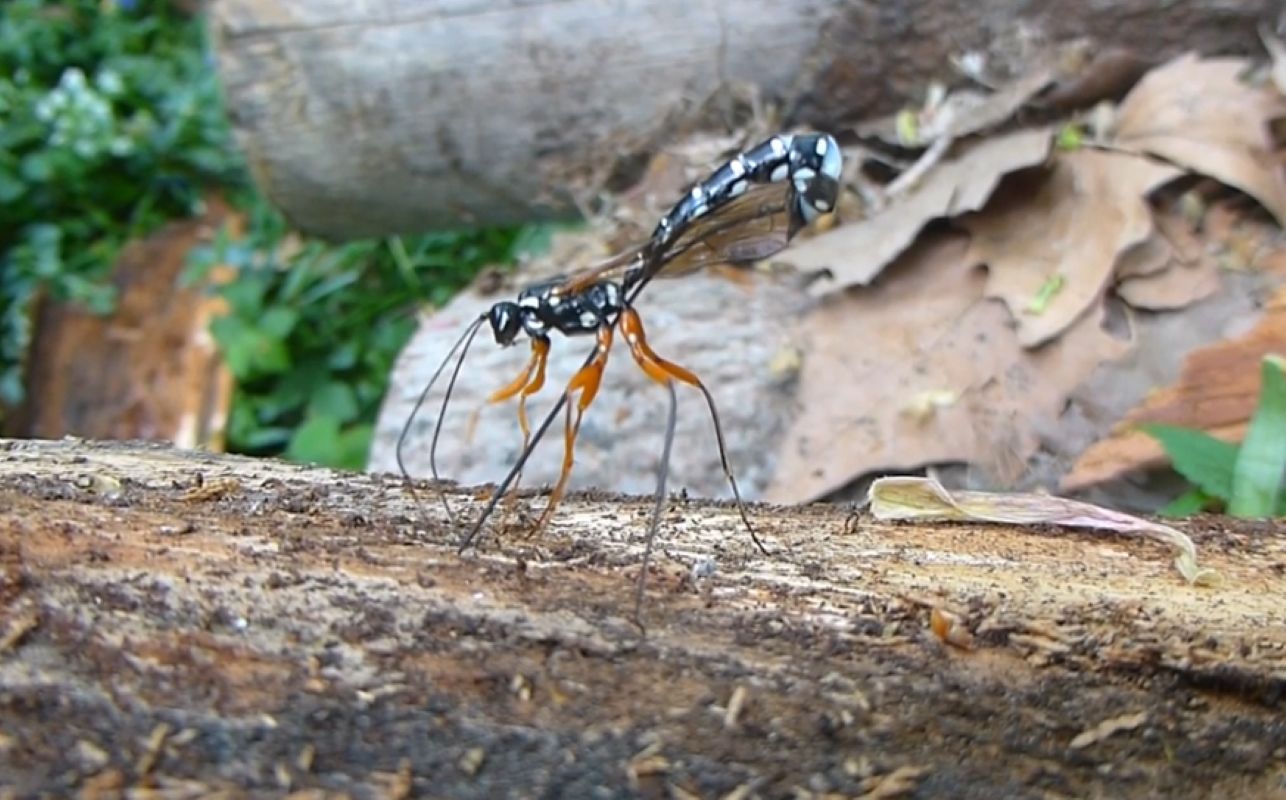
x=45, y=109
x=73, y=80
x=109, y=82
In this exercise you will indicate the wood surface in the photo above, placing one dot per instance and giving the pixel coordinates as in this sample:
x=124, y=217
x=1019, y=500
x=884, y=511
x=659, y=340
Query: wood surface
x=190, y=624
x=394, y=116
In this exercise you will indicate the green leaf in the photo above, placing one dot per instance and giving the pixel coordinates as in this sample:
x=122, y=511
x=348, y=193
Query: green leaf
x=1261, y=462
x=316, y=441
x=354, y=444
x=234, y=340
x=277, y=322
x=270, y=355
x=334, y=399
x=266, y=439
x=343, y=357
x=1193, y=501
x=1199, y=457
x=246, y=295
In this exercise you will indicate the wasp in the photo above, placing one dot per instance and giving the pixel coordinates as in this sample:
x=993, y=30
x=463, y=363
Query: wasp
x=745, y=210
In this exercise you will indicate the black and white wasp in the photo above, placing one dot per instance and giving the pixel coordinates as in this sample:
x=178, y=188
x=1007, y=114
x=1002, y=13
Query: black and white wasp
x=747, y=209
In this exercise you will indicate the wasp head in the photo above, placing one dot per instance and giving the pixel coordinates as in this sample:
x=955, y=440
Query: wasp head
x=506, y=322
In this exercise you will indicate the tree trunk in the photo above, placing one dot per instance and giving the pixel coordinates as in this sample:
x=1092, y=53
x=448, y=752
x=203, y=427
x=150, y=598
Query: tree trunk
x=395, y=116
x=193, y=624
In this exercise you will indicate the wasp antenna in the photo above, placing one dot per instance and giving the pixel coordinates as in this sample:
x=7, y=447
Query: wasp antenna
x=727, y=468
x=662, y=476
x=442, y=412
x=466, y=339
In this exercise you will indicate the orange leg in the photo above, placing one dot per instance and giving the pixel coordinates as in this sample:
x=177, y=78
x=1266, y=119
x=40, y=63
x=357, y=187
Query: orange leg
x=665, y=372
x=528, y=383
x=525, y=385
x=655, y=367
x=586, y=383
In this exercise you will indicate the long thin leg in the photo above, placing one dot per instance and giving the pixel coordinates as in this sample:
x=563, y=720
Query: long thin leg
x=525, y=385
x=663, y=371
x=508, y=480
x=662, y=475
x=586, y=381
x=541, y=430
x=465, y=339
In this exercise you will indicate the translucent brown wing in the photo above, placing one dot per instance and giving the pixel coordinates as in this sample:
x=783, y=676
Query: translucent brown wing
x=612, y=268
x=750, y=227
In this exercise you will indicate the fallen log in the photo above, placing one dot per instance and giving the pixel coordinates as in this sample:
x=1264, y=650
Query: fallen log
x=193, y=624
x=397, y=116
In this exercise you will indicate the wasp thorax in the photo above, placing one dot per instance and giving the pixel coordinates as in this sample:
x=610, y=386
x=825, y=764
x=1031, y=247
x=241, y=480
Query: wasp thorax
x=506, y=321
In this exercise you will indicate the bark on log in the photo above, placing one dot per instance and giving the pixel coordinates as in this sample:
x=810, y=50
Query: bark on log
x=193, y=624
x=394, y=116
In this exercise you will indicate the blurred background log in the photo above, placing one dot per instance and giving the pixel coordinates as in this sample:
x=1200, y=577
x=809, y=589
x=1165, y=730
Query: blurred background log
x=396, y=116
x=148, y=370
x=186, y=624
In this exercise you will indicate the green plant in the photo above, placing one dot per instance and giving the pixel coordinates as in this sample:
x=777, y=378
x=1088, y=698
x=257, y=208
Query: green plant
x=1248, y=478
x=312, y=336
x=112, y=125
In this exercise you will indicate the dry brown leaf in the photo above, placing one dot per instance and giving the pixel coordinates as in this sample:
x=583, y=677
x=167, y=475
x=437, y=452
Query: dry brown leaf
x=962, y=113
x=1148, y=257
x=1105, y=76
x=965, y=112
x=1277, y=52
x=1199, y=114
x=924, y=330
x=1066, y=230
x=924, y=499
x=856, y=253
x=1216, y=392
x=1172, y=288
x=1168, y=270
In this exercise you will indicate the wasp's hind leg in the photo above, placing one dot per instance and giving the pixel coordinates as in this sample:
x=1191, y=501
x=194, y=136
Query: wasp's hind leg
x=666, y=372
x=585, y=384
x=528, y=382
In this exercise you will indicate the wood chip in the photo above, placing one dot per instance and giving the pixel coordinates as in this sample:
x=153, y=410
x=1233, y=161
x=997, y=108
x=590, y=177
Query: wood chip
x=1108, y=727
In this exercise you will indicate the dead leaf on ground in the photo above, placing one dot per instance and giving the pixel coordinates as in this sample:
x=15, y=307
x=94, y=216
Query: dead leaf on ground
x=1168, y=270
x=966, y=112
x=924, y=330
x=1277, y=52
x=961, y=113
x=1064, y=228
x=924, y=499
x=1107, y=75
x=1148, y=257
x=856, y=253
x=1177, y=287
x=1216, y=392
x=1200, y=115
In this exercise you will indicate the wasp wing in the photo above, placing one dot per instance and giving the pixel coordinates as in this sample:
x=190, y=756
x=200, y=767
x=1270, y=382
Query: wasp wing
x=750, y=227
x=610, y=269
